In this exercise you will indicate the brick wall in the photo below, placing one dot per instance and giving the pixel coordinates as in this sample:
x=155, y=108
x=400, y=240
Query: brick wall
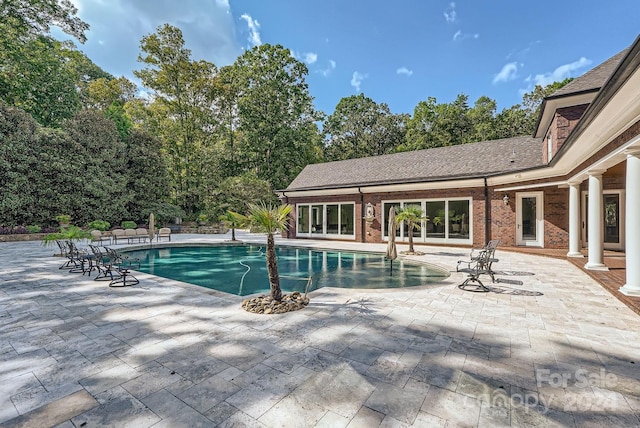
x=564, y=121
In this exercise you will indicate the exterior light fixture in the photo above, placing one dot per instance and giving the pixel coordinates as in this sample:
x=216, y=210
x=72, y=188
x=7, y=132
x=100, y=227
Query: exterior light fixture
x=505, y=199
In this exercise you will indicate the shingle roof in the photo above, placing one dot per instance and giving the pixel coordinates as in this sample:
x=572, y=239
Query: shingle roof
x=593, y=79
x=452, y=162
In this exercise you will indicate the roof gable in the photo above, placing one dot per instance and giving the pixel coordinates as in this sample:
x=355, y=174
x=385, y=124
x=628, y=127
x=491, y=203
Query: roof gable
x=593, y=79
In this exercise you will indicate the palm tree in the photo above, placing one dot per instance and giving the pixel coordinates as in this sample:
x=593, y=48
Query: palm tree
x=233, y=220
x=413, y=216
x=268, y=219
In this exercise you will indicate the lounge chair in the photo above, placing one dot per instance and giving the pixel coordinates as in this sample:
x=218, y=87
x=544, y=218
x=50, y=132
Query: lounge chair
x=117, y=234
x=123, y=264
x=107, y=269
x=164, y=232
x=64, y=251
x=81, y=259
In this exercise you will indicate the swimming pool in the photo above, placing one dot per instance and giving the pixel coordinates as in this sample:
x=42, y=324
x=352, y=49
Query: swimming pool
x=241, y=269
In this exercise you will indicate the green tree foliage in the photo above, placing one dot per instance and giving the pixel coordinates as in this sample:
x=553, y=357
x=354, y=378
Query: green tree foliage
x=37, y=73
x=268, y=219
x=360, y=127
x=439, y=124
x=148, y=178
x=37, y=16
x=276, y=114
x=37, y=78
x=181, y=87
x=103, y=192
x=17, y=160
x=236, y=193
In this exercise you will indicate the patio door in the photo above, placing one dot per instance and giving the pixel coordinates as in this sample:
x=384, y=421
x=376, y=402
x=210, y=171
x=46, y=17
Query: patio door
x=529, y=219
x=613, y=203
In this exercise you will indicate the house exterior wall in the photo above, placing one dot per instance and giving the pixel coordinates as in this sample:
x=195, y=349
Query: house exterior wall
x=502, y=218
x=564, y=121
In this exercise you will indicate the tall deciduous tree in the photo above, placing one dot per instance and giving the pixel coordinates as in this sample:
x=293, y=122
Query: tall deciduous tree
x=360, y=127
x=276, y=114
x=182, y=87
x=148, y=178
x=37, y=17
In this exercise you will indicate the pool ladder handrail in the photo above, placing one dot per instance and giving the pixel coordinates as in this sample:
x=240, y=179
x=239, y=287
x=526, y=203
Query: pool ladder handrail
x=309, y=282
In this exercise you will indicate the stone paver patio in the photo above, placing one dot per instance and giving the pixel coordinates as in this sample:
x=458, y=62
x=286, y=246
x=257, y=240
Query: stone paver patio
x=74, y=352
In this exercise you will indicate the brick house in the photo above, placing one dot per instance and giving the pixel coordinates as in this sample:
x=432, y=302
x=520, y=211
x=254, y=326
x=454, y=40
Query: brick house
x=574, y=184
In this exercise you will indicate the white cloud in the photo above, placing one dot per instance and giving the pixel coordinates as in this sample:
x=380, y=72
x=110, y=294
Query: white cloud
x=254, y=29
x=560, y=73
x=450, y=13
x=405, y=71
x=327, y=71
x=509, y=72
x=117, y=26
x=459, y=35
x=356, y=79
x=310, y=57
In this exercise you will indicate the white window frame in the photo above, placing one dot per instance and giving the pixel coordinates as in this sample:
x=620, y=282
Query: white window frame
x=324, y=234
x=423, y=238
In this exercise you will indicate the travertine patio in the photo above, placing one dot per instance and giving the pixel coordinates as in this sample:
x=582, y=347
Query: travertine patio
x=74, y=352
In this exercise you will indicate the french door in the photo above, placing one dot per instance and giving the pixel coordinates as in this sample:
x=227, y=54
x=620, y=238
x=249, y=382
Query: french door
x=529, y=219
x=613, y=203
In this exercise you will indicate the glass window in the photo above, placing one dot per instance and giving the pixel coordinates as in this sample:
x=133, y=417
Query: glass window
x=303, y=219
x=387, y=207
x=317, y=212
x=417, y=232
x=347, y=218
x=333, y=225
x=435, y=225
x=459, y=219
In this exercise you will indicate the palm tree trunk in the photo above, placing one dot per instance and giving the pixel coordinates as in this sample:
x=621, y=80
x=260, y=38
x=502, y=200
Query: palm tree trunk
x=411, y=238
x=272, y=268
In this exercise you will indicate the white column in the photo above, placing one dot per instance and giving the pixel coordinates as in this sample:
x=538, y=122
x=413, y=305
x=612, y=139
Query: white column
x=596, y=222
x=574, y=220
x=632, y=231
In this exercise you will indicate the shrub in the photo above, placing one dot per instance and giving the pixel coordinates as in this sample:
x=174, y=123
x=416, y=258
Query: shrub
x=129, y=224
x=34, y=228
x=73, y=233
x=63, y=218
x=99, y=225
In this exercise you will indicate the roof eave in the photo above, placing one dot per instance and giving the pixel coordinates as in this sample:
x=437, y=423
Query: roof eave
x=623, y=71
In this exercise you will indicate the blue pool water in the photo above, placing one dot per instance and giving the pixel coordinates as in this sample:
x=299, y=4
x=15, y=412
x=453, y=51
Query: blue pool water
x=241, y=269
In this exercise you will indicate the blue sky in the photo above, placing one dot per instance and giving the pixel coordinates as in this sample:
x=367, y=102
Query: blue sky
x=399, y=53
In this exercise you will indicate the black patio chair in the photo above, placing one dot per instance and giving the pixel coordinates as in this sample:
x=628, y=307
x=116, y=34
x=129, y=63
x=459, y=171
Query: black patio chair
x=478, y=265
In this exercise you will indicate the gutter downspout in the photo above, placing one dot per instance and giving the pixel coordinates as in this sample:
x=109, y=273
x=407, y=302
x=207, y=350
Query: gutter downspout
x=362, y=222
x=486, y=212
x=286, y=201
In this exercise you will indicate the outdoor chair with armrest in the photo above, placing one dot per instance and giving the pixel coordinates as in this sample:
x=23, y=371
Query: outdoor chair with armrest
x=107, y=269
x=117, y=234
x=123, y=264
x=479, y=264
x=81, y=258
x=164, y=232
x=98, y=238
x=142, y=234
